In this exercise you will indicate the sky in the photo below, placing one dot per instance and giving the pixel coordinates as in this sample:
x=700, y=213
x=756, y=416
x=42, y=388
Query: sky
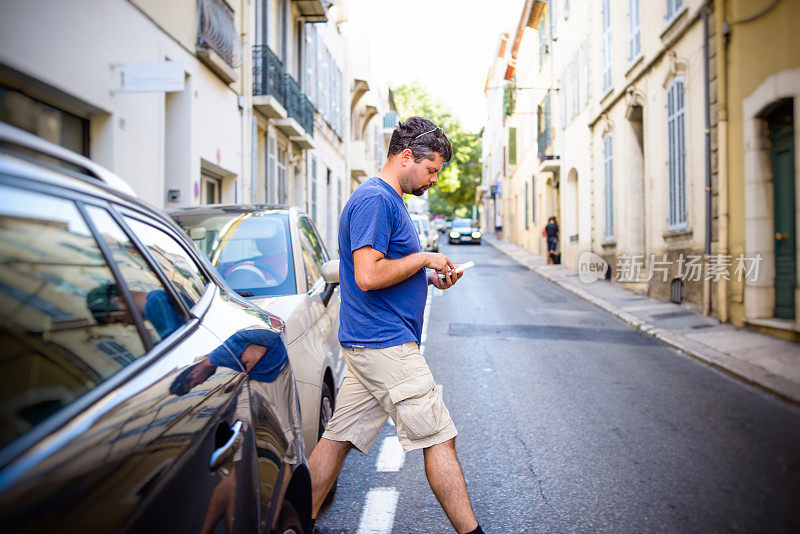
x=447, y=45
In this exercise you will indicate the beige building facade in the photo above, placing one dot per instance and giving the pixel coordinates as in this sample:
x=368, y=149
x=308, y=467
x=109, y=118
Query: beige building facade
x=68, y=72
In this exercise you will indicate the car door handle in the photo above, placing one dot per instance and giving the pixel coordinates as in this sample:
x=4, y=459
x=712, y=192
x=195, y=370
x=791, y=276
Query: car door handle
x=221, y=455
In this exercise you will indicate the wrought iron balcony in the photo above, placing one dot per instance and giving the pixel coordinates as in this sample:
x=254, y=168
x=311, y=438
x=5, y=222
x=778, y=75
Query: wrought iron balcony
x=268, y=75
x=297, y=105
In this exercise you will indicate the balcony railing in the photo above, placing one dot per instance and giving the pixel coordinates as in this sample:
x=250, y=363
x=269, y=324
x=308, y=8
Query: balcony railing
x=297, y=105
x=268, y=75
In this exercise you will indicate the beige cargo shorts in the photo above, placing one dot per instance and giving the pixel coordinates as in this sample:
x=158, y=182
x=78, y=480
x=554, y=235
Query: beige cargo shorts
x=391, y=382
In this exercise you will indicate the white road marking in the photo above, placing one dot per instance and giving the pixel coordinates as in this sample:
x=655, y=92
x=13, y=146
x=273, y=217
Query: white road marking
x=379, y=510
x=392, y=455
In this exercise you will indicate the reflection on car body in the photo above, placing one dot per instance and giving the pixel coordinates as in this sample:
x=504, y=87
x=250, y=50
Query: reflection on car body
x=104, y=304
x=274, y=256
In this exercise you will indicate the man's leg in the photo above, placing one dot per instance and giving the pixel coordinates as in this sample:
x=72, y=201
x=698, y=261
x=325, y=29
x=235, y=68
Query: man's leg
x=325, y=463
x=447, y=482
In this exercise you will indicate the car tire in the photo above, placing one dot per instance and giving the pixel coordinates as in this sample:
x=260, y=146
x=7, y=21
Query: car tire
x=326, y=406
x=288, y=520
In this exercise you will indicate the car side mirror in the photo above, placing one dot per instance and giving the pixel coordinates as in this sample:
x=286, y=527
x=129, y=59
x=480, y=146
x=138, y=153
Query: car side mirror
x=197, y=233
x=330, y=271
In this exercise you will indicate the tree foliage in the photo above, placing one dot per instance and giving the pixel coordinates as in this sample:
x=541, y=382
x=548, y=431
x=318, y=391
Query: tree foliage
x=460, y=178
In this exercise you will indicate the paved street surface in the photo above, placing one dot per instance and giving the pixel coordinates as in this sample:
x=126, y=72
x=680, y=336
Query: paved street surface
x=571, y=421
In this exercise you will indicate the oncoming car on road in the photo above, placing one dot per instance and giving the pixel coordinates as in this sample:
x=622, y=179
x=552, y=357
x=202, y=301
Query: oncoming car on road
x=139, y=392
x=463, y=231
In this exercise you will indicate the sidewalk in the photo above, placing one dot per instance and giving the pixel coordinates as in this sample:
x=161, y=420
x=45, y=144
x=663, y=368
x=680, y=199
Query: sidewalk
x=764, y=361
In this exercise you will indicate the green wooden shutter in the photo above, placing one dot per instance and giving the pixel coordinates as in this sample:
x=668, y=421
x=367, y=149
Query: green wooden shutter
x=512, y=146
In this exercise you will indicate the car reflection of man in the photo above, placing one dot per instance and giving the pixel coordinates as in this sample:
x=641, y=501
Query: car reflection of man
x=107, y=305
x=384, y=288
x=262, y=354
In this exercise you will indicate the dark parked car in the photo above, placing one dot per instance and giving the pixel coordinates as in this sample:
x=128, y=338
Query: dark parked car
x=463, y=231
x=139, y=392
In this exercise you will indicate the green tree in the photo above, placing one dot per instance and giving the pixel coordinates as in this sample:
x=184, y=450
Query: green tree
x=460, y=178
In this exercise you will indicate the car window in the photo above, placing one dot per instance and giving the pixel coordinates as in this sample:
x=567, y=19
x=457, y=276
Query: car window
x=186, y=276
x=251, y=251
x=314, y=253
x=57, y=345
x=159, y=312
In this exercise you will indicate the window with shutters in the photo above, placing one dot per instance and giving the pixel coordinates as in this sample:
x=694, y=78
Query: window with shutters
x=533, y=199
x=634, y=30
x=673, y=9
x=606, y=45
x=608, y=172
x=676, y=155
x=553, y=18
x=280, y=186
x=585, y=72
x=311, y=88
x=272, y=168
x=313, y=187
x=512, y=146
x=527, y=214
x=542, y=44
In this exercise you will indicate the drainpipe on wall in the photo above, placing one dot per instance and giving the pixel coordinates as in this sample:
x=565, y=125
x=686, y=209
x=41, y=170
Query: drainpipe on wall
x=707, y=106
x=722, y=33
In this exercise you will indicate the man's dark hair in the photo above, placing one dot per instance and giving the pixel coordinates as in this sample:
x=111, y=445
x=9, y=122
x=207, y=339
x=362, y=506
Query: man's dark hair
x=407, y=135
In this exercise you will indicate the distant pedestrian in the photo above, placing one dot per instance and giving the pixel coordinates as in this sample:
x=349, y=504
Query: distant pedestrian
x=551, y=231
x=384, y=288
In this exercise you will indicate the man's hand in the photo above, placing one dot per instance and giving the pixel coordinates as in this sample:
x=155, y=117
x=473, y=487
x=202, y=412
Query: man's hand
x=441, y=264
x=450, y=278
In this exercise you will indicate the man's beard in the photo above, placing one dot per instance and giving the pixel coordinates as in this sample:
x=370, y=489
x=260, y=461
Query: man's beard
x=418, y=192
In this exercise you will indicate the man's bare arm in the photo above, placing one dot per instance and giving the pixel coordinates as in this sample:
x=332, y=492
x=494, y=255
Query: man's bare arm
x=374, y=271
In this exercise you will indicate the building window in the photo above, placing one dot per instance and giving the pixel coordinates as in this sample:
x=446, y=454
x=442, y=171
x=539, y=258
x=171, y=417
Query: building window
x=280, y=188
x=210, y=187
x=542, y=43
x=533, y=199
x=673, y=8
x=527, y=214
x=38, y=118
x=634, y=30
x=676, y=155
x=606, y=45
x=553, y=18
x=585, y=72
x=272, y=168
x=608, y=171
x=313, y=187
x=512, y=146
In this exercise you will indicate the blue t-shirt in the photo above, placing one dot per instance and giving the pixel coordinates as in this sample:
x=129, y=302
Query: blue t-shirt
x=376, y=216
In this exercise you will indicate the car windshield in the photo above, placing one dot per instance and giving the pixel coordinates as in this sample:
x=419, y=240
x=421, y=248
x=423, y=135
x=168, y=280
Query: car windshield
x=251, y=251
x=462, y=225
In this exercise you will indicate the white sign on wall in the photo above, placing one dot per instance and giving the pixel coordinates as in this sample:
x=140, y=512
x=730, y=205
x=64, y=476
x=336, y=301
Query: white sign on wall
x=149, y=76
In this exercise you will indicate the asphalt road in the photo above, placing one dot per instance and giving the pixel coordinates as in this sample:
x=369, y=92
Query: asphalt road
x=571, y=421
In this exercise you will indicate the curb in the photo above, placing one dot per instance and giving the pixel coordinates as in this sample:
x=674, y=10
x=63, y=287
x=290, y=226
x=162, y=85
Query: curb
x=755, y=376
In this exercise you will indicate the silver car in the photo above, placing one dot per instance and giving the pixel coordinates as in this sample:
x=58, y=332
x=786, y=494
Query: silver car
x=274, y=257
x=428, y=236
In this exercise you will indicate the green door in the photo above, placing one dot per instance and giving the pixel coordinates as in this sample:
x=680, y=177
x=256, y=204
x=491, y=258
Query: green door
x=782, y=137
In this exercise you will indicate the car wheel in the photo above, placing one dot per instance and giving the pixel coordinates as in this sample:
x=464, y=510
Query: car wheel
x=326, y=405
x=288, y=520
